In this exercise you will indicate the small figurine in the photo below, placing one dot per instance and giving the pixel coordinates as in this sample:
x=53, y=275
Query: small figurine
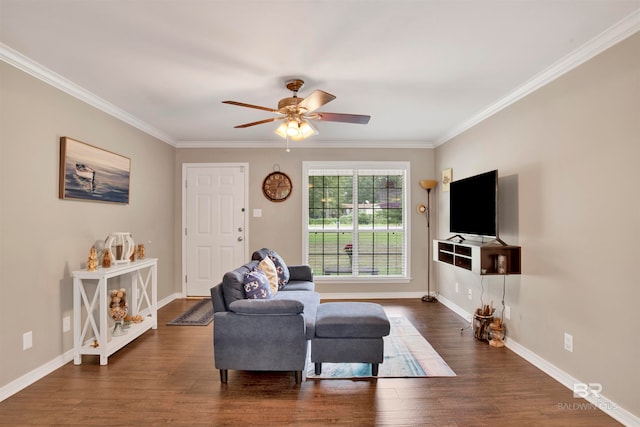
x=106, y=259
x=140, y=251
x=92, y=262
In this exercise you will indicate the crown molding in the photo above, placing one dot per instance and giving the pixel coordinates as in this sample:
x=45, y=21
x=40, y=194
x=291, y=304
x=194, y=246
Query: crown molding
x=21, y=62
x=613, y=35
x=304, y=144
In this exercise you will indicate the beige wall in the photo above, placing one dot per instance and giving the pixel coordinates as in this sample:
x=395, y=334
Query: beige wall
x=42, y=238
x=568, y=159
x=280, y=226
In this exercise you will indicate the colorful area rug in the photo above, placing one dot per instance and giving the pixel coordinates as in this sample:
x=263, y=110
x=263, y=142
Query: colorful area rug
x=406, y=355
x=200, y=314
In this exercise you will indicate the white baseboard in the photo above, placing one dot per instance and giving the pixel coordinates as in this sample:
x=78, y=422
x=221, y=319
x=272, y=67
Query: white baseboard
x=42, y=371
x=601, y=402
x=31, y=377
x=455, y=308
x=605, y=405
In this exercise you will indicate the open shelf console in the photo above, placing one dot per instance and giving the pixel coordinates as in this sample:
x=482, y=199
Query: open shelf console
x=481, y=258
x=90, y=301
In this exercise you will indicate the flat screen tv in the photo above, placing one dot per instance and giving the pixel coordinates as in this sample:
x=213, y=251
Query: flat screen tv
x=474, y=205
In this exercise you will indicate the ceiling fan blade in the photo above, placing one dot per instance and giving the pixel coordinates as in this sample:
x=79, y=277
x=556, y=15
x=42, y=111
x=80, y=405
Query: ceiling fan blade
x=315, y=100
x=344, y=118
x=257, y=107
x=260, y=122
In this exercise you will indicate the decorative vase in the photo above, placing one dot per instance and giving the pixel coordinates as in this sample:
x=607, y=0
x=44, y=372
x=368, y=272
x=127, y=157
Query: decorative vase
x=118, y=329
x=121, y=246
x=118, y=310
x=497, y=333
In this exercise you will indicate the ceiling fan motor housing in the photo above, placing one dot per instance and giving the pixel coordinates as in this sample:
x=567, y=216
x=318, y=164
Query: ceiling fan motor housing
x=290, y=105
x=294, y=85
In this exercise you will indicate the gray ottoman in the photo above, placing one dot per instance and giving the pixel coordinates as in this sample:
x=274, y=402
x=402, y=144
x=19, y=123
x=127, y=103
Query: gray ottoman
x=349, y=332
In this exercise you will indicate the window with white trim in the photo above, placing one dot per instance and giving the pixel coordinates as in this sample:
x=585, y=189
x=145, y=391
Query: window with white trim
x=355, y=219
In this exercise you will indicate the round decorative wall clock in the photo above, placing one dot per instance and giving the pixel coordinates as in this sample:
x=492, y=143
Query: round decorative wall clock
x=277, y=186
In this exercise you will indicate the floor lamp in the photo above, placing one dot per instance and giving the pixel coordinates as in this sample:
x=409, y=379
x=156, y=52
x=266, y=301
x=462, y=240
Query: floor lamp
x=428, y=184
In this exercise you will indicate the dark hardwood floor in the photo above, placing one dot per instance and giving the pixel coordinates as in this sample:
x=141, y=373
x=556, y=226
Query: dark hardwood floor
x=167, y=377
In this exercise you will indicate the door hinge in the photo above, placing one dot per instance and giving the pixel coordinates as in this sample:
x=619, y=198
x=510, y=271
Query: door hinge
x=185, y=279
x=185, y=231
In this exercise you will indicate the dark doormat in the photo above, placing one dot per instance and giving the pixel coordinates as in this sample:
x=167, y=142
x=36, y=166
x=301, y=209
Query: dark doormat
x=200, y=314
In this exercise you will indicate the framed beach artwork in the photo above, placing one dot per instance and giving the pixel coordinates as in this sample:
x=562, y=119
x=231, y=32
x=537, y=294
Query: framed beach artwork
x=91, y=173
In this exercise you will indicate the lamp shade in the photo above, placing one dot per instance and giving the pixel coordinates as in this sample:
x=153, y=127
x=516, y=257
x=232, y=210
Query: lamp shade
x=293, y=128
x=428, y=184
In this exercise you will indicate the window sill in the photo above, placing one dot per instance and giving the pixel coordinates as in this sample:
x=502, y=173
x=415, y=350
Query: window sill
x=363, y=280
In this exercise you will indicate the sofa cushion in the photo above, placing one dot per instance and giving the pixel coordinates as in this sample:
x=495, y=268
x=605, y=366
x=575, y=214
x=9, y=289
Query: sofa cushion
x=233, y=282
x=281, y=269
x=310, y=301
x=262, y=307
x=269, y=269
x=300, y=273
x=351, y=320
x=298, y=285
x=256, y=285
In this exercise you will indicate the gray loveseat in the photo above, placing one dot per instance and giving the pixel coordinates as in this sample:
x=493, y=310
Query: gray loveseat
x=264, y=334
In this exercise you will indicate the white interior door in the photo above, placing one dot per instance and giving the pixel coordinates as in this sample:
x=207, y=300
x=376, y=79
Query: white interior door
x=215, y=224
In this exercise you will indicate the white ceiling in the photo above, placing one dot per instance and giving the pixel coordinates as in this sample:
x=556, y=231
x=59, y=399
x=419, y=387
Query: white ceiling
x=424, y=70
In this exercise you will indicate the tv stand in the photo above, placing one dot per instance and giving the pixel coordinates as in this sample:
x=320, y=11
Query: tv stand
x=498, y=240
x=477, y=257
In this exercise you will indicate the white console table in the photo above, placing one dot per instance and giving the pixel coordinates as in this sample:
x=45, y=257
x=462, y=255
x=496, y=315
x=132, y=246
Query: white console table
x=90, y=335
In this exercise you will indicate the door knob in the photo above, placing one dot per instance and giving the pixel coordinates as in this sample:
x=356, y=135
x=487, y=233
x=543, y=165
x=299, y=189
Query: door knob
x=240, y=239
x=240, y=229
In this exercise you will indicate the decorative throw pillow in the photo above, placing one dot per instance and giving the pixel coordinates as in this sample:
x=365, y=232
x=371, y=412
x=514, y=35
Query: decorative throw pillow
x=256, y=285
x=269, y=269
x=281, y=269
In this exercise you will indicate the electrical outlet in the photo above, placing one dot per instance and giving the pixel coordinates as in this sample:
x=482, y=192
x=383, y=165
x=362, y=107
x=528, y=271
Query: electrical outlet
x=457, y=288
x=568, y=342
x=66, y=324
x=470, y=294
x=27, y=340
x=507, y=312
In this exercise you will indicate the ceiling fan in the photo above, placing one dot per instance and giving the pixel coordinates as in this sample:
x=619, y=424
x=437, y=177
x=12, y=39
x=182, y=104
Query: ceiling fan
x=297, y=113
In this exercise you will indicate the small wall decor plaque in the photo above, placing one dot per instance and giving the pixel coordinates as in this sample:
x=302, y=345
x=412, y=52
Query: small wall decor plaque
x=91, y=173
x=447, y=177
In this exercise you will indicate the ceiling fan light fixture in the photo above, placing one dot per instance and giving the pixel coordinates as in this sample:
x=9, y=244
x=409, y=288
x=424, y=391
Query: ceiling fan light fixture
x=281, y=130
x=296, y=129
x=307, y=129
x=293, y=128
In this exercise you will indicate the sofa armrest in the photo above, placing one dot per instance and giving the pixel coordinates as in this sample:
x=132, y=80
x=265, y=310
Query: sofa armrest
x=259, y=342
x=266, y=307
x=300, y=273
